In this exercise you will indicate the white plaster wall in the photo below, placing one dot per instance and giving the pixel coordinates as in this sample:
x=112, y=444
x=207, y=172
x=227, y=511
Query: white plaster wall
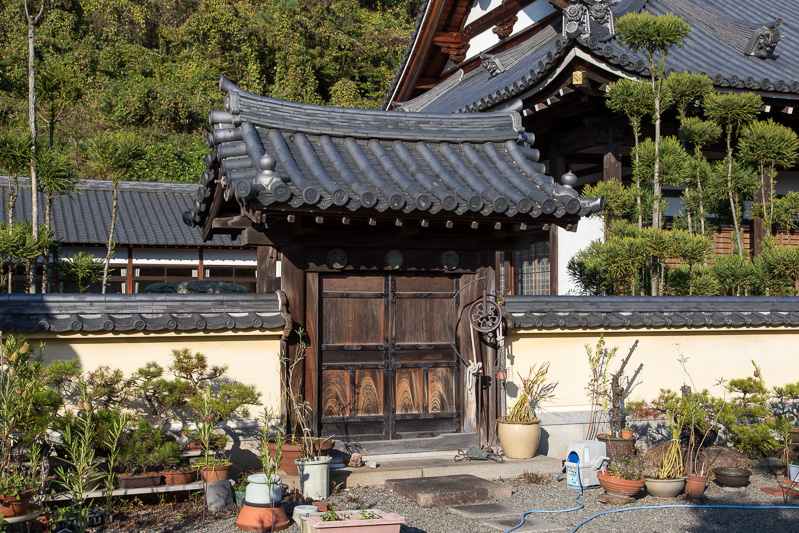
x=571, y=242
x=712, y=354
x=526, y=17
x=229, y=257
x=252, y=359
x=172, y=256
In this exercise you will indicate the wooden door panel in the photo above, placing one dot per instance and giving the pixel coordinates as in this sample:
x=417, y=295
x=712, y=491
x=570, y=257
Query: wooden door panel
x=368, y=392
x=388, y=370
x=352, y=321
x=441, y=390
x=427, y=354
x=335, y=393
x=421, y=320
x=409, y=390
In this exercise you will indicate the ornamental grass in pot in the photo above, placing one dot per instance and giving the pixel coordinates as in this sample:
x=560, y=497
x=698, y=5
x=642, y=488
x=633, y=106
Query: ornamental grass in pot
x=668, y=480
x=519, y=432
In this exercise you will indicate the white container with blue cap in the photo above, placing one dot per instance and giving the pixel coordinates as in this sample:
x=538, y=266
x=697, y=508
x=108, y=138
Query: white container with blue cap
x=584, y=459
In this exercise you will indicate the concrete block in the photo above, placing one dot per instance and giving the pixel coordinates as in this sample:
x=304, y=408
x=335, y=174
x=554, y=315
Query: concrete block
x=448, y=490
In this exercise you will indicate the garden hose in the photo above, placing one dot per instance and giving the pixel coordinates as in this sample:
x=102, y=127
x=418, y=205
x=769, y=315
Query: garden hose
x=580, y=504
x=612, y=511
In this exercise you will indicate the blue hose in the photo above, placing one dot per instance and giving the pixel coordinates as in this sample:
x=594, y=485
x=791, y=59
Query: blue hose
x=577, y=499
x=685, y=506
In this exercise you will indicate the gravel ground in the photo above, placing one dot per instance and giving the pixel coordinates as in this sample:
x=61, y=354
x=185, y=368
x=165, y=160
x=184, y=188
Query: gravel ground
x=552, y=494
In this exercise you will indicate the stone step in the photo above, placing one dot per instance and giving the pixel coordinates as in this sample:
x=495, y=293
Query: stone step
x=456, y=489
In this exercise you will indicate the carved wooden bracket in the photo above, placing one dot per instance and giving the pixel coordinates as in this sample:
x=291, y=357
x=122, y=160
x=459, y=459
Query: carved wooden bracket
x=504, y=28
x=454, y=44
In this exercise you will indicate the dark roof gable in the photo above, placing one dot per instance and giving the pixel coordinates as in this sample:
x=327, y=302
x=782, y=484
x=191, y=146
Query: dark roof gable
x=271, y=153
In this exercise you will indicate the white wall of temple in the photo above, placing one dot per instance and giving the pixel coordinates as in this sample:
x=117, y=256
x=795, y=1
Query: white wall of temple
x=173, y=256
x=710, y=354
x=526, y=18
x=571, y=242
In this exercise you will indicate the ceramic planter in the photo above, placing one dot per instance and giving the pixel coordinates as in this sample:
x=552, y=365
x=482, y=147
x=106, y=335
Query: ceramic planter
x=314, y=477
x=617, y=447
x=614, y=485
x=695, y=485
x=354, y=523
x=519, y=440
x=793, y=472
x=262, y=518
x=182, y=477
x=215, y=473
x=665, y=488
x=292, y=452
x=261, y=491
x=137, y=482
x=11, y=506
x=728, y=476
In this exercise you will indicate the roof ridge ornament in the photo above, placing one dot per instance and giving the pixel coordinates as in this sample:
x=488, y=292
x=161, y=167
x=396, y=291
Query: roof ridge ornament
x=589, y=18
x=764, y=40
x=492, y=64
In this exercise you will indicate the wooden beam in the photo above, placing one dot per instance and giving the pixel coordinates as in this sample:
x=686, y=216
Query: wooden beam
x=507, y=9
x=237, y=222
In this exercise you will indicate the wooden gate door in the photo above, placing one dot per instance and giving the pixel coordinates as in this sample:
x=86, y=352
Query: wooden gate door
x=387, y=369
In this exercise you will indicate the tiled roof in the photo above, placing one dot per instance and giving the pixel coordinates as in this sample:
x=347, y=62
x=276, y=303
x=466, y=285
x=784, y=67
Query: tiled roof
x=723, y=44
x=138, y=312
x=149, y=213
x=278, y=153
x=637, y=312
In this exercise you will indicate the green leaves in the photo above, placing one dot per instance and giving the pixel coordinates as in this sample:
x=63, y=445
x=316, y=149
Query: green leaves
x=653, y=35
x=82, y=268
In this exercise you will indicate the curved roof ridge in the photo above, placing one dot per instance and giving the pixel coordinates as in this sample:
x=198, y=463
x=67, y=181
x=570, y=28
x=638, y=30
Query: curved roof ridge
x=736, y=34
x=266, y=112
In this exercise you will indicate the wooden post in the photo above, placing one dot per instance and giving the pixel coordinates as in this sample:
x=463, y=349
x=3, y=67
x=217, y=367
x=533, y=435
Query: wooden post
x=292, y=283
x=267, y=280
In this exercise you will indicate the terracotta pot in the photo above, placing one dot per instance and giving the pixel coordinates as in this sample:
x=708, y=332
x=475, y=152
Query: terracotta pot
x=182, y=477
x=695, y=485
x=617, y=447
x=665, y=488
x=627, y=434
x=519, y=440
x=215, y=473
x=15, y=506
x=262, y=518
x=137, y=482
x=292, y=452
x=626, y=487
x=728, y=476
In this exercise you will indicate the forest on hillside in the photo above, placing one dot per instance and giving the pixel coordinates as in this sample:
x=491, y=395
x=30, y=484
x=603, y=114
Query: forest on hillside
x=151, y=68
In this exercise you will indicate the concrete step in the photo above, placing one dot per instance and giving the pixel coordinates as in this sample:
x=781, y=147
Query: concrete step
x=408, y=466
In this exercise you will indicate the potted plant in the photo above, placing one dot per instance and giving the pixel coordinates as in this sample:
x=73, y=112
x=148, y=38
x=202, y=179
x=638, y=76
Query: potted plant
x=211, y=468
x=297, y=439
x=27, y=407
x=519, y=431
x=313, y=466
x=624, y=475
x=264, y=488
x=668, y=480
x=363, y=521
x=610, y=391
x=144, y=451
